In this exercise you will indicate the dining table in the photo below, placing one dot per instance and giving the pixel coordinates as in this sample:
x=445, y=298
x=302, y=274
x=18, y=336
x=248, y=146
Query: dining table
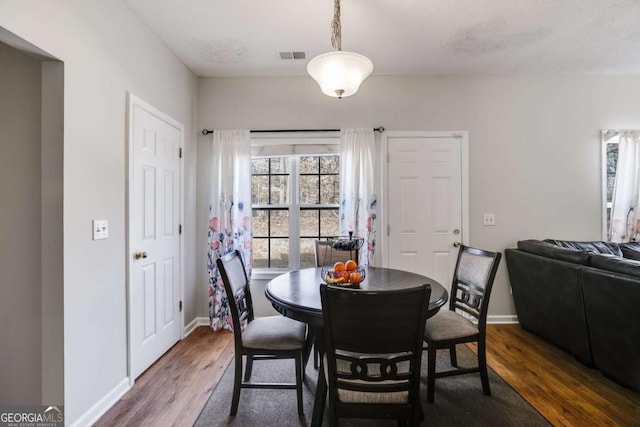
x=296, y=294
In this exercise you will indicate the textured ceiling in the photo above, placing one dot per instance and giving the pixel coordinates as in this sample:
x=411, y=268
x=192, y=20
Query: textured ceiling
x=404, y=37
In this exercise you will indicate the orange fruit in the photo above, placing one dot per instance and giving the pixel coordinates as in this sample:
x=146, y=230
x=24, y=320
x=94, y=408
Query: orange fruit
x=339, y=266
x=351, y=265
x=354, y=277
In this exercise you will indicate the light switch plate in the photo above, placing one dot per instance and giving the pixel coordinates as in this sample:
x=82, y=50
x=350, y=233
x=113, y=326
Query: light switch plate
x=489, y=219
x=100, y=229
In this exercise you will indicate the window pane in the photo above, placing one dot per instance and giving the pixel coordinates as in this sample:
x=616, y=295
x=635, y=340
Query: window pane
x=260, y=223
x=260, y=190
x=318, y=183
x=309, y=190
x=307, y=253
x=279, y=223
x=330, y=164
x=259, y=251
x=279, y=253
x=259, y=166
x=329, y=223
x=280, y=190
x=330, y=189
x=309, y=222
x=279, y=165
x=309, y=164
x=612, y=163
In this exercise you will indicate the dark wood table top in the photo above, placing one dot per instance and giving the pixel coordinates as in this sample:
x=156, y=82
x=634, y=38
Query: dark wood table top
x=297, y=294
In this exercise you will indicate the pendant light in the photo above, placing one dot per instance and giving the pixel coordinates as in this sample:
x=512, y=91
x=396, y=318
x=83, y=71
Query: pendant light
x=339, y=73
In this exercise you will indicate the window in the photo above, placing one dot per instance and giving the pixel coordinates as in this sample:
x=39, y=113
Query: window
x=609, y=165
x=295, y=200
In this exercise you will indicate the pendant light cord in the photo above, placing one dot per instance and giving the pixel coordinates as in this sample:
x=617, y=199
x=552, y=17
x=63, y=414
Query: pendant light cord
x=336, y=27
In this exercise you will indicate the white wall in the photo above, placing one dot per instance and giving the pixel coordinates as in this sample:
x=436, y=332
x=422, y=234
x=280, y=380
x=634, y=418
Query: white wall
x=106, y=51
x=20, y=214
x=534, y=142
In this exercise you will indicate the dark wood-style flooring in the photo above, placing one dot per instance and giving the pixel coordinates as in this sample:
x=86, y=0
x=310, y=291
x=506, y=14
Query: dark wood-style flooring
x=173, y=390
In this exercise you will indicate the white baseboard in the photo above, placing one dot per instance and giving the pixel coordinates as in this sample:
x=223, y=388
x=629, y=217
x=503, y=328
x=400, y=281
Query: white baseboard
x=502, y=319
x=103, y=405
x=198, y=321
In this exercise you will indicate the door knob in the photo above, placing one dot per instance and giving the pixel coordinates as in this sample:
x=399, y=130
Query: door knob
x=140, y=254
x=456, y=244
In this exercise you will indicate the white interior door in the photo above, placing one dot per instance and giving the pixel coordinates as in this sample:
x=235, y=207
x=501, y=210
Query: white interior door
x=154, y=235
x=425, y=202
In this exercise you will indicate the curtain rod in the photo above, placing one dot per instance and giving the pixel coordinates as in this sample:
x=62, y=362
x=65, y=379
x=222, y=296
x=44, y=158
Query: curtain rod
x=378, y=129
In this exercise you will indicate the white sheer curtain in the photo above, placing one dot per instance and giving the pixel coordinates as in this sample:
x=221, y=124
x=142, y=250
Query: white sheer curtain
x=230, y=214
x=358, y=203
x=625, y=218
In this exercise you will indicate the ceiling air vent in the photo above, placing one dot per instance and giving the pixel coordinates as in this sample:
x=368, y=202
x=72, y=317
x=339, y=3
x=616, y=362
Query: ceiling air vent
x=292, y=55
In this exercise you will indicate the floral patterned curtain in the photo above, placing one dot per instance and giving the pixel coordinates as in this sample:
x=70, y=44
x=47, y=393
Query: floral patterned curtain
x=230, y=214
x=625, y=218
x=358, y=203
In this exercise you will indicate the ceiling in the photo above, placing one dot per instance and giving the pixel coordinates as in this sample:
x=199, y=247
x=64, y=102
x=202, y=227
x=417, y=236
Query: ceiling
x=403, y=37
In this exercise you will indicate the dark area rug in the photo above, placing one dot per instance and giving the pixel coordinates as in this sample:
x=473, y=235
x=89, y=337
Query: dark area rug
x=459, y=401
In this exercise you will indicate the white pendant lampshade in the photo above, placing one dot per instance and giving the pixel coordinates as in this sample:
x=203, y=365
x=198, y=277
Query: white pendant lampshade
x=340, y=73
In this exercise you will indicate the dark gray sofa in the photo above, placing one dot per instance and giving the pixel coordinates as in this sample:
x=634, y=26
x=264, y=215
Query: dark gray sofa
x=583, y=297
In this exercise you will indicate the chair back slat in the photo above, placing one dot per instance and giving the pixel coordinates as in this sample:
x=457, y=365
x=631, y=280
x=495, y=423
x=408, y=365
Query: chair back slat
x=236, y=285
x=366, y=328
x=472, y=282
x=368, y=322
x=373, y=343
x=325, y=255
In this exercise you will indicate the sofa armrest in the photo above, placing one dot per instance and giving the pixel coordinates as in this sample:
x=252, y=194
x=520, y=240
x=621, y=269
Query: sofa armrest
x=548, y=300
x=611, y=303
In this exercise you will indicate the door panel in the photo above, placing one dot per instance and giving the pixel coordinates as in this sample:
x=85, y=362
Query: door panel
x=154, y=204
x=424, y=204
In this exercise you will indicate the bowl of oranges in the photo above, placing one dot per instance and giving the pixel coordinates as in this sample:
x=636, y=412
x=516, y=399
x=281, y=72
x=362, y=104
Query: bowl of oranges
x=343, y=273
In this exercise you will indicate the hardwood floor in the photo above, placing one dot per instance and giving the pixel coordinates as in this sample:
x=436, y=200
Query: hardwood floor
x=563, y=390
x=173, y=391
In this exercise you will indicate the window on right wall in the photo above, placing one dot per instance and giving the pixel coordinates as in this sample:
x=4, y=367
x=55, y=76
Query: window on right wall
x=621, y=185
x=609, y=163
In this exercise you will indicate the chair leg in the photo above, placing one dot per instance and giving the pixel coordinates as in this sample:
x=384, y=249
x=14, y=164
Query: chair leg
x=237, y=381
x=482, y=364
x=308, y=347
x=248, y=368
x=299, y=375
x=431, y=372
x=453, y=356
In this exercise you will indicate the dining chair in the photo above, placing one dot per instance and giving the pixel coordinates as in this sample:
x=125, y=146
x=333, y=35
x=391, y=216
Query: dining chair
x=326, y=255
x=258, y=338
x=373, y=344
x=466, y=319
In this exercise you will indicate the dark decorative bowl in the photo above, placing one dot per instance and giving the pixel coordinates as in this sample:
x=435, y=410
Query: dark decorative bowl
x=342, y=278
x=346, y=243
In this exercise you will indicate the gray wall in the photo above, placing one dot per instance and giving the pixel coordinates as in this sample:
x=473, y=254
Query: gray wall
x=101, y=63
x=534, y=142
x=20, y=216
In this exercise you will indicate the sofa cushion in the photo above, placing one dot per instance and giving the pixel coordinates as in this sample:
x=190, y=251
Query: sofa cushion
x=616, y=264
x=630, y=250
x=549, y=250
x=591, y=247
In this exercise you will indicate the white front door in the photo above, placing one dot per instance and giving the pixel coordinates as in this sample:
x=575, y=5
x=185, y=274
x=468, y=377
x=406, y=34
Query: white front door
x=425, y=202
x=155, y=322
